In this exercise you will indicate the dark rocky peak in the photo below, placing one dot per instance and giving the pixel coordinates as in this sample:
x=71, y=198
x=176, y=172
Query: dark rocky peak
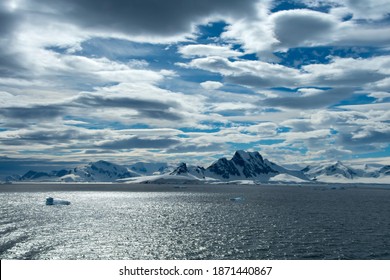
x=181, y=169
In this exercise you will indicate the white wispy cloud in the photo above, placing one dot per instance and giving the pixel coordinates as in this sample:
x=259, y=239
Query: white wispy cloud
x=208, y=50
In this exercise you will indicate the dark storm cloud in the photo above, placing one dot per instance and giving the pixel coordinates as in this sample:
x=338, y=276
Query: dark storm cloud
x=120, y=102
x=323, y=99
x=370, y=137
x=37, y=112
x=140, y=17
x=257, y=81
x=349, y=78
x=9, y=63
x=145, y=108
x=294, y=27
x=140, y=143
x=88, y=102
x=45, y=137
x=7, y=22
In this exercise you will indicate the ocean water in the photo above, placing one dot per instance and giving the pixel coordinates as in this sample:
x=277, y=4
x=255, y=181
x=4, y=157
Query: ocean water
x=198, y=222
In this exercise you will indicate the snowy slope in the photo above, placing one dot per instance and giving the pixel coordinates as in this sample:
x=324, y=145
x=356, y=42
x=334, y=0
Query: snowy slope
x=337, y=169
x=100, y=171
x=151, y=168
x=191, y=171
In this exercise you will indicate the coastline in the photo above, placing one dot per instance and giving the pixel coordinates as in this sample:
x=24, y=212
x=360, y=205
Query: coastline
x=125, y=187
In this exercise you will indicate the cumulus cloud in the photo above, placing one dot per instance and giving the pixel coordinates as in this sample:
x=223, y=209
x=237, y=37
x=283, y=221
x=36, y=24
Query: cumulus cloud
x=295, y=28
x=286, y=29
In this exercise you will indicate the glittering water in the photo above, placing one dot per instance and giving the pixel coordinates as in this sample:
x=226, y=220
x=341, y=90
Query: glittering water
x=202, y=222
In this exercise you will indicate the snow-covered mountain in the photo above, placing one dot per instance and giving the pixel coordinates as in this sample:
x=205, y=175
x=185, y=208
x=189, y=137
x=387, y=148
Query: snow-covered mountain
x=151, y=168
x=100, y=171
x=339, y=172
x=337, y=169
x=193, y=171
x=242, y=166
x=43, y=176
x=385, y=170
x=248, y=165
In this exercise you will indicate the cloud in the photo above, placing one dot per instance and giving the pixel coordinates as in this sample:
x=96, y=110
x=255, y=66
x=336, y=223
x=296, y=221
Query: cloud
x=197, y=148
x=208, y=50
x=348, y=71
x=238, y=107
x=69, y=91
x=137, y=143
x=320, y=100
x=263, y=130
x=144, y=107
x=211, y=85
x=380, y=95
x=286, y=29
x=298, y=125
x=293, y=28
x=8, y=23
x=370, y=73
x=247, y=72
x=146, y=18
x=46, y=136
x=139, y=103
x=36, y=112
x=368, y=9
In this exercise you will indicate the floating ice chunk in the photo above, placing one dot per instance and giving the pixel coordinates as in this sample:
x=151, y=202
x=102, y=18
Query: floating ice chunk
x=238, y=198
x=52, y=201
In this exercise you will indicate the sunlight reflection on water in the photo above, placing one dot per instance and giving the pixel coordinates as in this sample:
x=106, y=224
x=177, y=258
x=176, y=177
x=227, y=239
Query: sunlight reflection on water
x=271, y=223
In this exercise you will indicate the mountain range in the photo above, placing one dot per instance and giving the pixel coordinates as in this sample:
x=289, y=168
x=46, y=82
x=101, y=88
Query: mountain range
x=243, y=167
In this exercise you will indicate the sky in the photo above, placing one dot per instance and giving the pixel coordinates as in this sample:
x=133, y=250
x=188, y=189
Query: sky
x=193, y=80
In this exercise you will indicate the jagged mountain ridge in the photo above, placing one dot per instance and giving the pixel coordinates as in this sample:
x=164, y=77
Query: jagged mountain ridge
x=242, y=166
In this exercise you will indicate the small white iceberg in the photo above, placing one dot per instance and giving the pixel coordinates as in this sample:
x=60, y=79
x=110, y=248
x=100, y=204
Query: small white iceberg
x=52, y=201
x=237, y=199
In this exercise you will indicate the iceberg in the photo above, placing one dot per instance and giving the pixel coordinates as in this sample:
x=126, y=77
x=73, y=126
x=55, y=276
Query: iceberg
x=52, y=201
x=237, y=199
